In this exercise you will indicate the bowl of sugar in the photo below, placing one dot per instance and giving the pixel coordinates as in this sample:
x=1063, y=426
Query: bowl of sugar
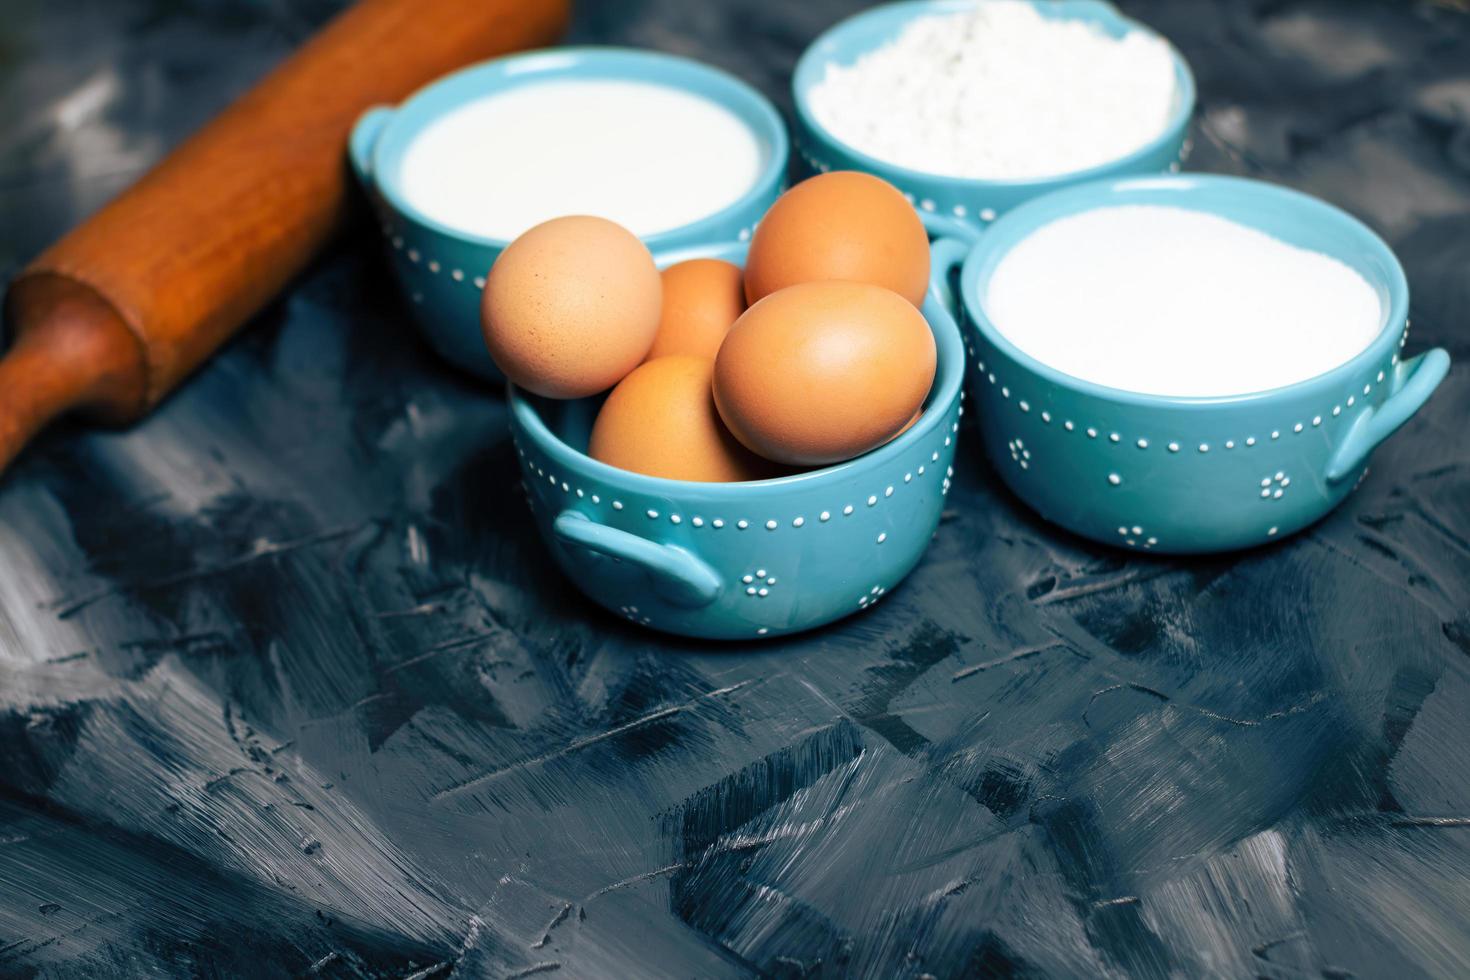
x=971, y=108
x=1186, y=363
x=675, y=151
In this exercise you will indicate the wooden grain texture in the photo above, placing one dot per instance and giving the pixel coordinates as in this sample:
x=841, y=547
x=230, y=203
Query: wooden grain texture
x=183, y=258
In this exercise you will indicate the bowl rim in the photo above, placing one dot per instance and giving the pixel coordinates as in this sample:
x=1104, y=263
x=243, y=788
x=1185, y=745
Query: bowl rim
x=484, y=78
x=947, y=391
x=1015, y=225
x=810, y=66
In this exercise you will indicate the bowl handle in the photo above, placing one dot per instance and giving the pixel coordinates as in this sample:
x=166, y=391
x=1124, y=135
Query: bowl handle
x=679, y=576
x=364, y=140
x=946, y=255
x=1411, y=383
x=943, y=226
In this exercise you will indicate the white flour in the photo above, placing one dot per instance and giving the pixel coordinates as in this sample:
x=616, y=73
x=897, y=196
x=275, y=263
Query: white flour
x=647, y=156
x=1170, y=301
x=1000, y=92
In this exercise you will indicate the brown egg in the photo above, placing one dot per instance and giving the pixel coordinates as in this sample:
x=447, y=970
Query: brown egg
x=907, y=425
x=840, y=225
x=571, y=306
x=702, y=298
x=824, y=371
x=661, y=421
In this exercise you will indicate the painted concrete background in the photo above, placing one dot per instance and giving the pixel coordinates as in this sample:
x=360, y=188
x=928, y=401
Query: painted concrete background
x=287, y=685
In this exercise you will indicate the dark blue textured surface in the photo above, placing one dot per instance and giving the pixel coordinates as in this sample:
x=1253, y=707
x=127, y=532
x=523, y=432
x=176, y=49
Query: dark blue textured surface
x=287, y=686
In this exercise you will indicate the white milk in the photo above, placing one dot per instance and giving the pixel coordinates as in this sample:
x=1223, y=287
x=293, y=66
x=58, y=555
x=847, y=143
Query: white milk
x=1170, y=301
x=646, y=156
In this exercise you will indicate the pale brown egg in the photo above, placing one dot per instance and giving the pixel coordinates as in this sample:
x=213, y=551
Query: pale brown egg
x=661, y=421
x=702, y=298
x=571, y=306
x=823, y=371
x=840, y=225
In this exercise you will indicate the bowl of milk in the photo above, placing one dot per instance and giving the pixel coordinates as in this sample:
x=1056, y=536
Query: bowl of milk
x=677, y=152
x=1186, y=363
x=971, y=107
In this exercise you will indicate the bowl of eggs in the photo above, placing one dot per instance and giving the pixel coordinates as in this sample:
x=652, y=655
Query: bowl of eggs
x=971, y=108
x=756, y=439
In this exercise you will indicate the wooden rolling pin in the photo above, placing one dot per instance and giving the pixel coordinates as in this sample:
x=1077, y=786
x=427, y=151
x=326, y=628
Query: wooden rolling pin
x=112, y=317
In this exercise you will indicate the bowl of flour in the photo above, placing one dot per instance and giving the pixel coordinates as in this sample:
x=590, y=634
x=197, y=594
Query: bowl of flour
x=676, y=151
x=971, y=108
x=1186, y=363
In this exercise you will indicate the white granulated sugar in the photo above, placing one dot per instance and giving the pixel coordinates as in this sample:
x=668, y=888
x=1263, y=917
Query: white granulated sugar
x=1000, y=92
x=1170, y=301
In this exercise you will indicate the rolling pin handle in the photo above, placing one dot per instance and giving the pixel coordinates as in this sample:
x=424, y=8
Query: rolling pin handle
x=71, y=350
x=364, y=140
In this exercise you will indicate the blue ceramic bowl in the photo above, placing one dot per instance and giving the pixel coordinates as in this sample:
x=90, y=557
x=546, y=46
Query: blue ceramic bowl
x=1190, y=474
x=742, y=560
x=441, y=269
x=959, y=206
